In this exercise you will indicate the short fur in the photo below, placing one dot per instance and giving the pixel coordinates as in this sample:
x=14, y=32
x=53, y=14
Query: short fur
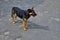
x=23, y=14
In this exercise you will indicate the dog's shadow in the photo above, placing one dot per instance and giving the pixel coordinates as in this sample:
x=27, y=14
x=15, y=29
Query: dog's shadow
x=32, y=25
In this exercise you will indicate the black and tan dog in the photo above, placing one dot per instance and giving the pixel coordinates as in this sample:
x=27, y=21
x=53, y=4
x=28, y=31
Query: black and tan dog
x=23, y=14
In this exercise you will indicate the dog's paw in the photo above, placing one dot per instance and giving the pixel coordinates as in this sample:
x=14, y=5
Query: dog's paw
x=13, y=22
x=25, y=29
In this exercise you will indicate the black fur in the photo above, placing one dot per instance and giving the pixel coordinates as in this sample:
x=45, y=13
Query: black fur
x=22, y=13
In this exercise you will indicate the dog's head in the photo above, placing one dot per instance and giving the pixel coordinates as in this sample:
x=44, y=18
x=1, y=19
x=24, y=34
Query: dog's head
x=31, y=12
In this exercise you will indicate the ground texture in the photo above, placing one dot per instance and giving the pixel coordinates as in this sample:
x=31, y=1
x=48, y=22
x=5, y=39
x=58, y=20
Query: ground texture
x=45, y=26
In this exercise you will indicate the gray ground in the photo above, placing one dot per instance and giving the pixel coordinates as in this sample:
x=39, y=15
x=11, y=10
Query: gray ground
x=45, y=26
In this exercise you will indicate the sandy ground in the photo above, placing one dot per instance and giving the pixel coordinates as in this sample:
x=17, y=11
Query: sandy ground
x=45, y=26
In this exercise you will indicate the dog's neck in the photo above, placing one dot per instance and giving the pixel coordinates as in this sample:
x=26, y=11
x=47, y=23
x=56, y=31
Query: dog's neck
x=27, y=15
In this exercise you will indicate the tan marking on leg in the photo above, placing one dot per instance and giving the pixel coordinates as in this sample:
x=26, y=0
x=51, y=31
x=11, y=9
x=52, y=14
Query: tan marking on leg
x=13, y=20
x=15, y=17
x=12, y=16
x=24, y=24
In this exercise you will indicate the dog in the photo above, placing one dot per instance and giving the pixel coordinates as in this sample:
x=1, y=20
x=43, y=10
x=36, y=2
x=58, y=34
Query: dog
x=23, y=14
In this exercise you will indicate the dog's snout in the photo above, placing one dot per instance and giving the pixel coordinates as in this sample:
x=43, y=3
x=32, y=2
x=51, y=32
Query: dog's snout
x=34, y=15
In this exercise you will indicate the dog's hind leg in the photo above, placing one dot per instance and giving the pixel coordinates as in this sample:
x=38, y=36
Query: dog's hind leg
x=15, y=17
x=12, y=17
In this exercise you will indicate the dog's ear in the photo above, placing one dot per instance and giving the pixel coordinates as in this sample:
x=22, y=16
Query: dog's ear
x=29, y=10
x=32, y=8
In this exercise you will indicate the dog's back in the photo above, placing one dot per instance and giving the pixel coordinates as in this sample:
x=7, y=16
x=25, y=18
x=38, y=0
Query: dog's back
x=19, y=12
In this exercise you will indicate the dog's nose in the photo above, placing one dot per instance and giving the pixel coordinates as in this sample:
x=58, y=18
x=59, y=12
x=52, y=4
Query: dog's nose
x=34, y=15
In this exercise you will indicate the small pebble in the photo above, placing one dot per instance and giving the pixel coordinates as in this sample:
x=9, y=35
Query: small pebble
x=6, y=33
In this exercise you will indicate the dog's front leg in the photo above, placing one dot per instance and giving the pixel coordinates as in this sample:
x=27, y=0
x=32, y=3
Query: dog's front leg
x=24, y=24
